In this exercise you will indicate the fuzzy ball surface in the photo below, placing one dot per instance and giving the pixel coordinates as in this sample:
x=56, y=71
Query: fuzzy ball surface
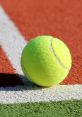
x=46, y=61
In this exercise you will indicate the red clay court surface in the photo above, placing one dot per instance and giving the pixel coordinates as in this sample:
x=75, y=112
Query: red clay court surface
x=59, y=18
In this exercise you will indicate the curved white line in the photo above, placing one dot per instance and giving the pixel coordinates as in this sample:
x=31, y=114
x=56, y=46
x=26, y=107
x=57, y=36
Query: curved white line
x=59, y=61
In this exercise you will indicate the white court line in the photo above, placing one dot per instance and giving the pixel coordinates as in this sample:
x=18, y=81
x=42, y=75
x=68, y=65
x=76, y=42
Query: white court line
x=58, y=93
x=13, y=42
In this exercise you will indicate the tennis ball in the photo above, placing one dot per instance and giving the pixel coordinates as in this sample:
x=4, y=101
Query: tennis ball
x=46, y=61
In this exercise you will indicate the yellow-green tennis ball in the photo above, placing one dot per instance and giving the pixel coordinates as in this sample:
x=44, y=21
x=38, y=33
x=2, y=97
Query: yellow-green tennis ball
x=46, y=60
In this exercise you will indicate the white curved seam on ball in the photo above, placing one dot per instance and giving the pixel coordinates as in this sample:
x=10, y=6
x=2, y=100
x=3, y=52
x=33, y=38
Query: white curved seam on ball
x=59, y=61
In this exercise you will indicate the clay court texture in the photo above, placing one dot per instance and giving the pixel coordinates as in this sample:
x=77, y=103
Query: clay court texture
x=20, y=21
